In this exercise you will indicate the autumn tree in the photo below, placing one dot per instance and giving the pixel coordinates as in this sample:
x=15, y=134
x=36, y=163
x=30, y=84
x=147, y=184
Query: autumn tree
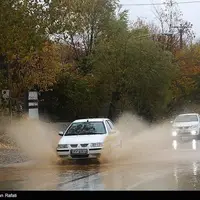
x=25, y=45
x=39, y=69
x=23, y=27
x=187, y=81
x=90, y=56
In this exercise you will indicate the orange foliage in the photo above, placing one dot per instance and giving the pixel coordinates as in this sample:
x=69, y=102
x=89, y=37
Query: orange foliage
x=189, y=67
x=39, y=68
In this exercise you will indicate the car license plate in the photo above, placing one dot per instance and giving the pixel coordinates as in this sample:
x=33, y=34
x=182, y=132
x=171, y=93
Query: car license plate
x=79, y=151
x=182, y=131
x=184, y=138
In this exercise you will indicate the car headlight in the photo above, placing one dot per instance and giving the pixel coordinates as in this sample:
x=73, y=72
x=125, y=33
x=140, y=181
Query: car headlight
x=174, y=133
x=97, y=144
x=63, y=146
x=193, y=132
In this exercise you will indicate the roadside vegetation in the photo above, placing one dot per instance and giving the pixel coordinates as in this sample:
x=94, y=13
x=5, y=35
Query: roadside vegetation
x=87, y=59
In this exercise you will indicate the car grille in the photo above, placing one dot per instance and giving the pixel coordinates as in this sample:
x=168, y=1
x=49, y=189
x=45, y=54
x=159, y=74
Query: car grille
x=73, y=145
x=185, y=132
x=183, y=128
x=79, y=156
x=84, y=145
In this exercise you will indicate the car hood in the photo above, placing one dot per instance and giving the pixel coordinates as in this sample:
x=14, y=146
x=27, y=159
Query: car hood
x=184, y=124
x=81, y=139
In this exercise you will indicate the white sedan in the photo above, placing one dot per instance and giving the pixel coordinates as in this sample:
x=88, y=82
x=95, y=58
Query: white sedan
x=84, y=138
x=186, y=126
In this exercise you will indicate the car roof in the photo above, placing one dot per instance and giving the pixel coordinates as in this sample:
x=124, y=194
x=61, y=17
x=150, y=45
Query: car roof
x=91, y=119
x=188, y=114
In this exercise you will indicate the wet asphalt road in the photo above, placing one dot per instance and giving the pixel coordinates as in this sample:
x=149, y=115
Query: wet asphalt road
x=179, y=172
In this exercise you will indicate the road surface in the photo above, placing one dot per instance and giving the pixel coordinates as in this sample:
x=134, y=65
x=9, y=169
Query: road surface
x=179, y=171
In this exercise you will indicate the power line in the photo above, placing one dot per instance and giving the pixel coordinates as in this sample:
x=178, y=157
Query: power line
x=158, y=4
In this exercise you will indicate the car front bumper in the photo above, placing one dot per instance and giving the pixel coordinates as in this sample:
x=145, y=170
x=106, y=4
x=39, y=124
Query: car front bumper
x=185, y=137
x=92, y=153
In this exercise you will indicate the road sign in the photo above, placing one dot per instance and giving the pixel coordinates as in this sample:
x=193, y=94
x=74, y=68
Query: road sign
x=33, y=95
x=33, y=104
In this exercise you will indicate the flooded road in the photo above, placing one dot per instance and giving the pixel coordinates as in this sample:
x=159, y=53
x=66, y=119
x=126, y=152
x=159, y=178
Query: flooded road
x=181, y=171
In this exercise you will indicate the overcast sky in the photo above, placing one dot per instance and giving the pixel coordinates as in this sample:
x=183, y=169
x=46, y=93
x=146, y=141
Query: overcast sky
x=191, y=11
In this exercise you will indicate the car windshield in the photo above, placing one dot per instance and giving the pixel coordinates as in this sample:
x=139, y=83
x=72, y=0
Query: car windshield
x=86, y=128
x=187, y=118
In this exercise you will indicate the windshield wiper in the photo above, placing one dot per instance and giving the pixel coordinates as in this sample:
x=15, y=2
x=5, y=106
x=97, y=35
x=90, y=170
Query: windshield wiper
x=84, y=133
x=71, y=134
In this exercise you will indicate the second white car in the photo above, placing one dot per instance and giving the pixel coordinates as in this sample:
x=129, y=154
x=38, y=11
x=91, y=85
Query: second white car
x=186, y=126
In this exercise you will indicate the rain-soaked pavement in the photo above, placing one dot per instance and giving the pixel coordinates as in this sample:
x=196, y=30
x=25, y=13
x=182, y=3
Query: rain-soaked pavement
x=180, y=173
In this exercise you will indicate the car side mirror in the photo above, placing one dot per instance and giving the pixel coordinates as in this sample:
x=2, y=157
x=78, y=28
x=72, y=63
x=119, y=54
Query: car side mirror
x=61, y=133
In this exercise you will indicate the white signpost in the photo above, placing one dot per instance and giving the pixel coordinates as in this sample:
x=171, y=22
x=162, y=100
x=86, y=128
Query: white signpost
x=33, y=105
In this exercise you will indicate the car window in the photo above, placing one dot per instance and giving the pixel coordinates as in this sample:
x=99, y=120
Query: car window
x=111, y=124
x=186, y=118
x=108, y=126
x=86, y=128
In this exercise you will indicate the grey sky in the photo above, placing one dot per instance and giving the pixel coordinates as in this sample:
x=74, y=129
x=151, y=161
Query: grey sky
x=191, y=12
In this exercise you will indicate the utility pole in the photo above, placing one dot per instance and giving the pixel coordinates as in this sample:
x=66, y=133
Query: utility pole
x=181, y=30
x=170, y=25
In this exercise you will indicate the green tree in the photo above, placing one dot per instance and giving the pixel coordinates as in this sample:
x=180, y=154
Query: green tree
x=79, y=24
x=132, y=64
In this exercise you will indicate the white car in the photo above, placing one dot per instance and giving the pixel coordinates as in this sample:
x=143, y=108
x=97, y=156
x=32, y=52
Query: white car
x=84, y=138
x=186, y=126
